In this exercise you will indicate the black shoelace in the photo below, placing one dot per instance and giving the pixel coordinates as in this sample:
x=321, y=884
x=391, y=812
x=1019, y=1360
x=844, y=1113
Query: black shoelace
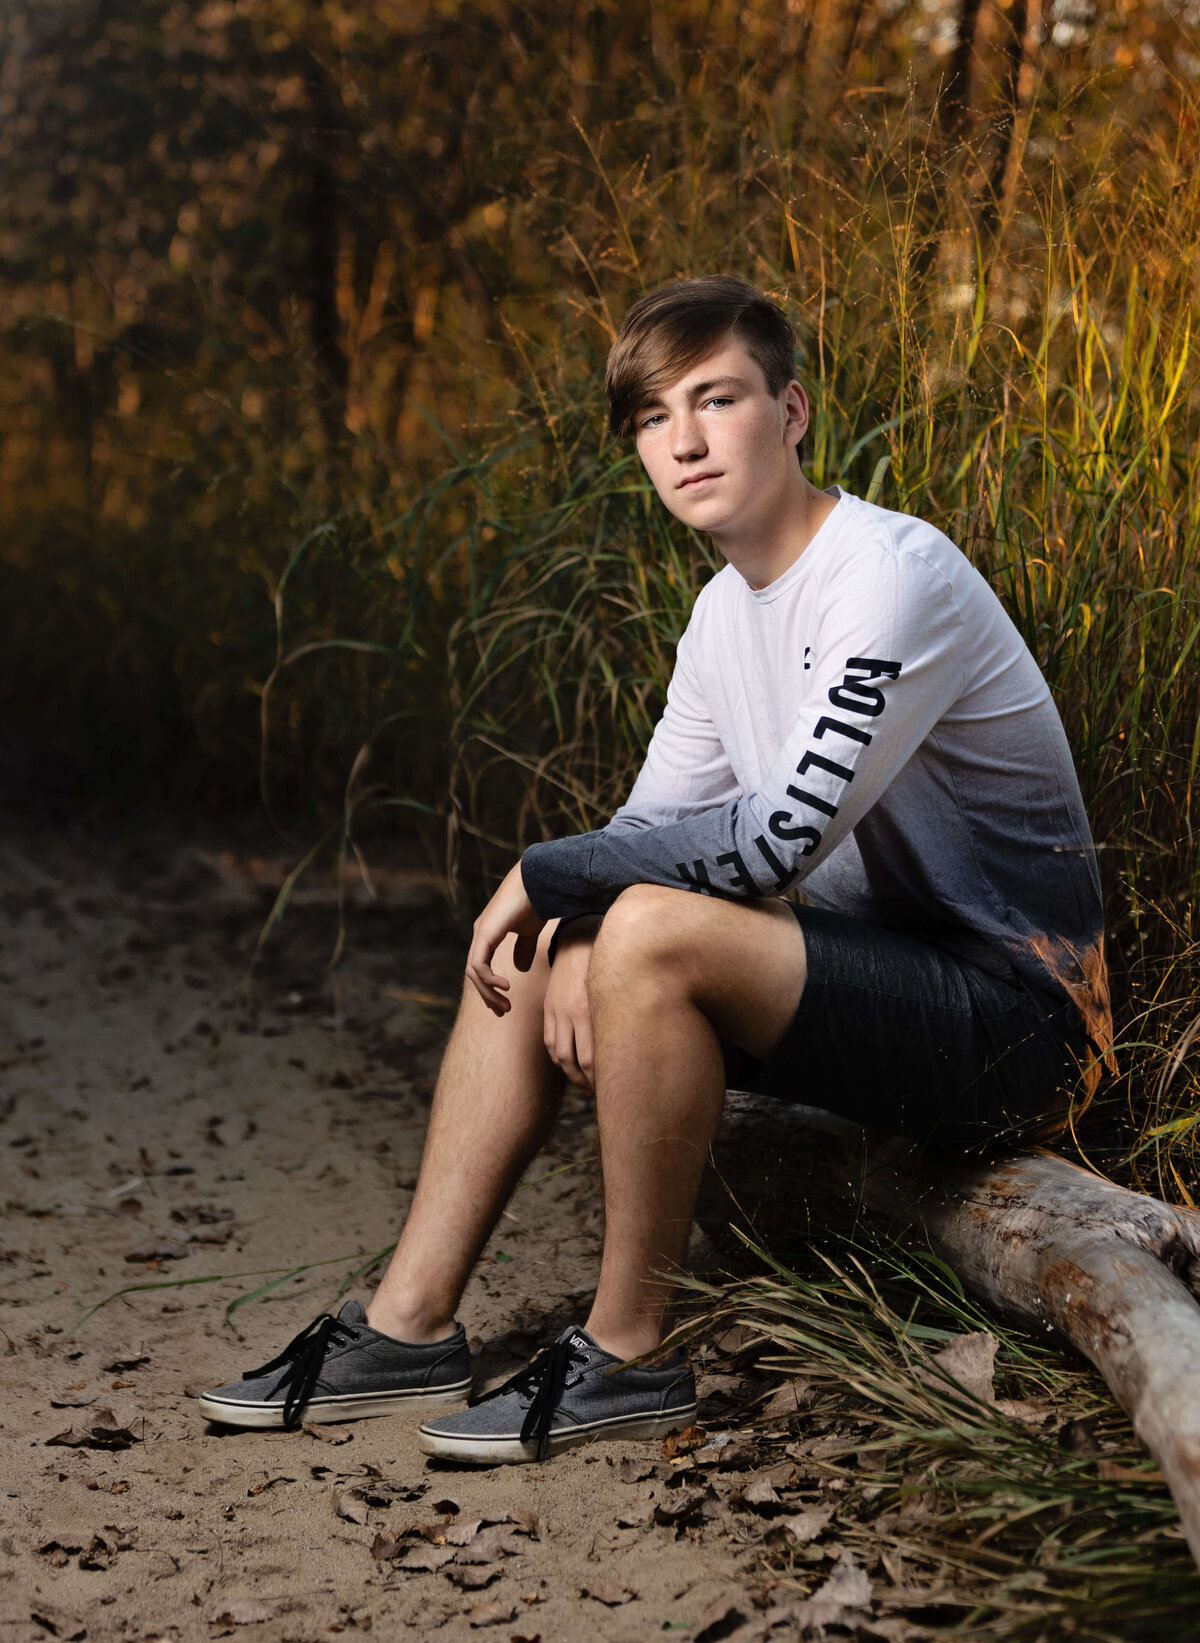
x=542, y=1381
x=303, y=1358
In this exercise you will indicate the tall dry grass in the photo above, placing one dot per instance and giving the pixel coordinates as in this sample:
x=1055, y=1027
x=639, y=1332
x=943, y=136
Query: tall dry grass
x=1028, y=386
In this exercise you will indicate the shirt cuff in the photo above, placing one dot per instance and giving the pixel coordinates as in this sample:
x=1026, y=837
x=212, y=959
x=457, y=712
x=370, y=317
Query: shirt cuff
x=556, y=878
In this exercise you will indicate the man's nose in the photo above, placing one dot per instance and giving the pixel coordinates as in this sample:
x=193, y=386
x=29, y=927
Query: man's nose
x=687, y=437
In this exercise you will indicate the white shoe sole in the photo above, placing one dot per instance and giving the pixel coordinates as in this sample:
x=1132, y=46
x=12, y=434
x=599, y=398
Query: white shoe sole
x=356, y=1406
x=494, y=1449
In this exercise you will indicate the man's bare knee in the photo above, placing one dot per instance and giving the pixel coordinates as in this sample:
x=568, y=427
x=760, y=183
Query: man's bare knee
x=646, y=922
x=741, y=963
x=677, y=930
x=654, y=944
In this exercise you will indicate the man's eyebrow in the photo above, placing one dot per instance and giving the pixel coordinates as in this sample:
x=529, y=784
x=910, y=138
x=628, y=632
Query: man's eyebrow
x=699, y=391
x=702, y=388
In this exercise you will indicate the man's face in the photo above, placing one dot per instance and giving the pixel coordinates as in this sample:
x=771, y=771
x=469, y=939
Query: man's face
x=718, y=446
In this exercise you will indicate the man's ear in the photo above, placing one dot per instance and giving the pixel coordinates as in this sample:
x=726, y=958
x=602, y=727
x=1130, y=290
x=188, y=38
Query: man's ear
x=795, y=410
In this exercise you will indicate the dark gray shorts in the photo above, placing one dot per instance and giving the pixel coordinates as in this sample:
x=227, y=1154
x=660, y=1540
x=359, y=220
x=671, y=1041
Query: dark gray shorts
x=897, y=1034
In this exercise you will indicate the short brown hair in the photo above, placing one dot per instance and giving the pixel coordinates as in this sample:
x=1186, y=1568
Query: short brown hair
x=669, y=331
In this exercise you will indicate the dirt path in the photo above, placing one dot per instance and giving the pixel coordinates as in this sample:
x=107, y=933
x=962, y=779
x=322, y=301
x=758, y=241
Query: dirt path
x=155, y=1124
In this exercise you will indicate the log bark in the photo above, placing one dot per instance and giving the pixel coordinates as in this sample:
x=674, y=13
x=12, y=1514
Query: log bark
x=1044, y=1242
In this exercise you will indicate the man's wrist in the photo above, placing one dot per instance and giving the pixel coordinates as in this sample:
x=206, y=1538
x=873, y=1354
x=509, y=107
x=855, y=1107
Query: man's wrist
x=573, y=932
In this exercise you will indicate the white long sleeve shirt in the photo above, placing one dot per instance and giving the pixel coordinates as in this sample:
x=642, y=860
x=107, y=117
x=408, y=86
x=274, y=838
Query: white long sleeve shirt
x=872, y=726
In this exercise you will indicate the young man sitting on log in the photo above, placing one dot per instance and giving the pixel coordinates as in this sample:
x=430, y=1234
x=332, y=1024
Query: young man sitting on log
x=851, y=713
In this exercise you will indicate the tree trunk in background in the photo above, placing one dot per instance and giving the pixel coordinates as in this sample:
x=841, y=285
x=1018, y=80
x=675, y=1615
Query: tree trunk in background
x=332, y=372
x=954, y=107
x=1016, y=87
x=1040, y=1240
x=850, y=36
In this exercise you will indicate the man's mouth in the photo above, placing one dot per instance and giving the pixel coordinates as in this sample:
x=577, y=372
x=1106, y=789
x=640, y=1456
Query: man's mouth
x=695, y=479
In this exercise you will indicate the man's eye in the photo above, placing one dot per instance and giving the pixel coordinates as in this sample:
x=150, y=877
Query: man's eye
x=649, y=421
x=720, y=400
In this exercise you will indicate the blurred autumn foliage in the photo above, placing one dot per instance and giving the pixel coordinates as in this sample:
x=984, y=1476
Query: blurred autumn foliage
x=272, y=266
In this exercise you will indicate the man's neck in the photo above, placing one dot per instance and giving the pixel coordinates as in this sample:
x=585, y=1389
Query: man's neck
x=770, y=544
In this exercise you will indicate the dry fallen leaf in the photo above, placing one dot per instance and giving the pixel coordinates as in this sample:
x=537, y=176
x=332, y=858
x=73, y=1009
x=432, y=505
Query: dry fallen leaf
x=491, y=1614
x=100, y=1432
x=971, y=1360
x=267, y=1483
x=428, y=1558
x=1112, y=1472
x=632, y=1470
x=131, y=1360
x=351, y=1507
x=738, y=1456
x=329, y=1434
x=534, y=1526
x=760, y=1492
x=240, y=1611
x=806, y=1526
x=472, y=1580
x=71, y=1438
x=846, y=1588
x=381, y=1492
x=682, y=1443
x=385, y=1546
x=792, y=1397
x=718, y=1386
x=489, y=1544
x=64, y=1540
x=637, y=1517
x=1029, y=1411
x=71, y=1399
x=715, y=1447
x=722, y=1618
x=57, y=1623
x=453, y=1534
x=782, y=1474
x=161, y=1250
x=609, y=1592
x=98, y=1554
x=679, y=1506
x=736, y=1339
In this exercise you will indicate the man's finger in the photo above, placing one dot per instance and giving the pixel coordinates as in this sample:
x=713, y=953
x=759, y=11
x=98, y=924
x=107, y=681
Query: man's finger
x=584, y=1048
x=490, y=986
x=495, y=1001
x=569, y=1066
x=560, y=1048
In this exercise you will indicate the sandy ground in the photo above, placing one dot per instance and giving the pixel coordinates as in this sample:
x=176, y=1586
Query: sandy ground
x=159, y=1121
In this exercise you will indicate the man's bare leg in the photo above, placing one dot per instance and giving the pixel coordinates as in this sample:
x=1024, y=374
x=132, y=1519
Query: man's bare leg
x=671, y=974
x=497, y=1094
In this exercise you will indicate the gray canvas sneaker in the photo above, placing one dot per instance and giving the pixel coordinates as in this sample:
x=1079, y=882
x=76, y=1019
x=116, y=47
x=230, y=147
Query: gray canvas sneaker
x=341, y=1369
x=572, y=1392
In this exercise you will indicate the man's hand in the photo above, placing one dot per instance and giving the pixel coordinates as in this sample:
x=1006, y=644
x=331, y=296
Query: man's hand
x=508, y=912
x=567, y=1018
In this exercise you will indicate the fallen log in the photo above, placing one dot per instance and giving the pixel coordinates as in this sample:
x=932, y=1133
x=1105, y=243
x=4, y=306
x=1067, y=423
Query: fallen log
x=1042, y=1241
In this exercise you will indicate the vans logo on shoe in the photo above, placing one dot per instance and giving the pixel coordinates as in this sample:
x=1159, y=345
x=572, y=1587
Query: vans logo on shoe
x=580, y=1345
